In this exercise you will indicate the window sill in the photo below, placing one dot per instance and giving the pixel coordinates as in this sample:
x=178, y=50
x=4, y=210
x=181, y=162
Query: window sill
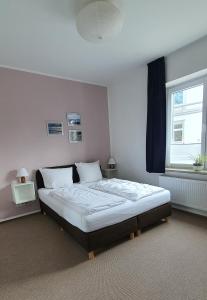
x=190, y=171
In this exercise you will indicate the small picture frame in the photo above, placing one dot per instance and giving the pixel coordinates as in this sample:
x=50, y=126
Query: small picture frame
x=73, y=119
x=54, y=128
x=75, y=136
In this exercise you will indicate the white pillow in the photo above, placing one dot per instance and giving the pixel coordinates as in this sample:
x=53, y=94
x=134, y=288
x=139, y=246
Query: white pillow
x=89, y=172
x=57, y=178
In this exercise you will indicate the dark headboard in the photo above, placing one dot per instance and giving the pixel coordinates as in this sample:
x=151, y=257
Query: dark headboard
x=40, y=182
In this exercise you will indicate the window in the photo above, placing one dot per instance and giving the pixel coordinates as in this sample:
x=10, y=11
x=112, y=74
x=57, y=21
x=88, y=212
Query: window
x=178, y=132
x=178, y=98
x=186, y=128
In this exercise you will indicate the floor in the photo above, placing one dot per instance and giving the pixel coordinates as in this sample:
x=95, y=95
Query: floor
x=167, y=262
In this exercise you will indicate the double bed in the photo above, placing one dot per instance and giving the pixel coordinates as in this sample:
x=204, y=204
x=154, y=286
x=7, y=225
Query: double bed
x=96, y=228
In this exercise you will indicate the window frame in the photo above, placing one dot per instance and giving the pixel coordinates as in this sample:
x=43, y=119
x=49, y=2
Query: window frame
x=169, y=91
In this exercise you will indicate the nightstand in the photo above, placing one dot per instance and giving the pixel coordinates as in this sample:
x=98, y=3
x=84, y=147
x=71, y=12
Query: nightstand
x=109, y=173
x=23, y=192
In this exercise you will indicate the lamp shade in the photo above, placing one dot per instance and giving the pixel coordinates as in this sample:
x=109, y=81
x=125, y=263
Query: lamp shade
x=111, y=161
x=22, y=173
x=99, y=20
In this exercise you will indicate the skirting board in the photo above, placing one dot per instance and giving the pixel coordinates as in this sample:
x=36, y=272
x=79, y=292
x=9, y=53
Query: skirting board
x=190, y=209
x=19, y=216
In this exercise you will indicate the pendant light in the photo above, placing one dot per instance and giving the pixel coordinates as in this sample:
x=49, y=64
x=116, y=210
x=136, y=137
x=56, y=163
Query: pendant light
x=99, y=21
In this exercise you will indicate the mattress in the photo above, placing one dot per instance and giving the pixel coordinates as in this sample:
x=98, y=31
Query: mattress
x=107, y=217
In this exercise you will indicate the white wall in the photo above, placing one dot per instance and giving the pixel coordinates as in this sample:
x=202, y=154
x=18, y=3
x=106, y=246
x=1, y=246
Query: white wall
x=187, y=60
x=128, y=110
x=127, y=115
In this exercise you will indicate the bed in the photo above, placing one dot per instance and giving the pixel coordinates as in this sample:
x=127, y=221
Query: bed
x=101, y=228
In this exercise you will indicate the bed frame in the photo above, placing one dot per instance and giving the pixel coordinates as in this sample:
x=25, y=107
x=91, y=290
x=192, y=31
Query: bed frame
x=94, y=240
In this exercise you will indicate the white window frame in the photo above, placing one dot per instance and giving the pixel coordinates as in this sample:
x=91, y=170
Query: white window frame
x=169, y=91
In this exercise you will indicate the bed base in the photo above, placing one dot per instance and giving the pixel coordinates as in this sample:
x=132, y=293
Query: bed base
x=100, y=238
x=97, y=239
x=153, y=216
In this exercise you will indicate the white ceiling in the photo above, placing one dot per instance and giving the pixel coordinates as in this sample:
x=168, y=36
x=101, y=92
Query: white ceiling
x=40, y=36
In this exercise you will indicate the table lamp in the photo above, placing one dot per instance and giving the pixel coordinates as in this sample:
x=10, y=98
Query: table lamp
x=111, y=163
x=22, y=174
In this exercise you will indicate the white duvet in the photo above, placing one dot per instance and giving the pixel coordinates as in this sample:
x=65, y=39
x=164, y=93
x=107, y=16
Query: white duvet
x=85, y=200
x=128, y=189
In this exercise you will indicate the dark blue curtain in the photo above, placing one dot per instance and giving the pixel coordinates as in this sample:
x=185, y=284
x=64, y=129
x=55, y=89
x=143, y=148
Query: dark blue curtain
x=156, y=117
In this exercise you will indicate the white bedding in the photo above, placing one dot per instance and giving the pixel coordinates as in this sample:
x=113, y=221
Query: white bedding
x=84, y=200
x=106, y=217
x=128, y=189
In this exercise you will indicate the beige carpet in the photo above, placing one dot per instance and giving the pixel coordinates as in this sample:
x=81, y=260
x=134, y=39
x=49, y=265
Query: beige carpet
x=167, y=262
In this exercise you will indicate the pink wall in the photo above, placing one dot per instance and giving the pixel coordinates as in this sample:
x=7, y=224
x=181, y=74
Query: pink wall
x=26, y=102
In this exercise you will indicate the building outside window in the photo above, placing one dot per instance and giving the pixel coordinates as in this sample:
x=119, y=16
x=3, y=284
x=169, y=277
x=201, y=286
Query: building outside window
x=186, y=126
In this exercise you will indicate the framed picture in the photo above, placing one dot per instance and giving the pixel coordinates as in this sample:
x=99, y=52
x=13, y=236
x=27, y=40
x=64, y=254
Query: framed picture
x=73, y=119
x=75, y=136
x=54, y=128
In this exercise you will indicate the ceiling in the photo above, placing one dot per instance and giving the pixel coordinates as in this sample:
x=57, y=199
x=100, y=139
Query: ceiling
x=40, y=36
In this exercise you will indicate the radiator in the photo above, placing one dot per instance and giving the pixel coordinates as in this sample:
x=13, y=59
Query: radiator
x=187, y=193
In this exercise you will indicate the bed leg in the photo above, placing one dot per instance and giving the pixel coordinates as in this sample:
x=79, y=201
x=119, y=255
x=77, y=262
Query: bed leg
x=138, y=233
x=44, y=213
x=165, y=220
x=61, y=229
x=131, y=235
x=91, y=255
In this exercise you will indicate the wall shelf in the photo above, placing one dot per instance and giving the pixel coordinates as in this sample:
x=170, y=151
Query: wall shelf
x=23, y=192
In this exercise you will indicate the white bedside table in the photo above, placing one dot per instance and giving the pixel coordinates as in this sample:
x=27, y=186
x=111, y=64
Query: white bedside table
x=23, y=192
x=109, y=173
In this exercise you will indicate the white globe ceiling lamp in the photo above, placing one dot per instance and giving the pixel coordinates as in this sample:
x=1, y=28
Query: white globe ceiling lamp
x=99, y=21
